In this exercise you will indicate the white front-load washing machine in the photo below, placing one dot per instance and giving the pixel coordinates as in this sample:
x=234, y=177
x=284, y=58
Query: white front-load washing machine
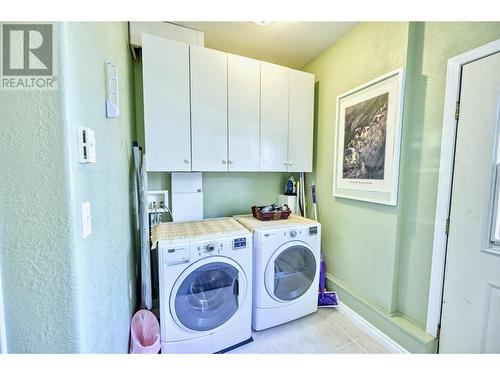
x=286, y=269
x=205, y=285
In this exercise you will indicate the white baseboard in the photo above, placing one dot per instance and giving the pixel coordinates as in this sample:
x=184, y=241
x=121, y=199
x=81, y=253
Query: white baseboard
x=374, y=332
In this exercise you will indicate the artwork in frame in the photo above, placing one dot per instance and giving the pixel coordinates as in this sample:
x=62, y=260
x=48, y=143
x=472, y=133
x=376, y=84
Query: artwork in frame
x=367, y=141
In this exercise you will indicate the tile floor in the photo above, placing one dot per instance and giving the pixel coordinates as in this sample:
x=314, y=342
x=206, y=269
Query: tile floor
x=326, y=331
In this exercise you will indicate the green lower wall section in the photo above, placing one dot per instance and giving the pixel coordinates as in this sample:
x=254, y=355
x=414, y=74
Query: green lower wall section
x=406, y=333
x=379, y=257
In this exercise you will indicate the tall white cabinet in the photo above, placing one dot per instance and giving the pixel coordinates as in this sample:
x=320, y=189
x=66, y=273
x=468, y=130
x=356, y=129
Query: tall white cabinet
x=208, y=109
x=300, y=121
x=273, y=117
x=243, y=113
x=165, y=72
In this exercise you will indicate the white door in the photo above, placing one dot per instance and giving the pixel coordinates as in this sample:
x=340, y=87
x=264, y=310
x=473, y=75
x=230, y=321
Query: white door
x=209, y=109
x=300, y=121
x=165, y=72
x=274, y=117
x=243, y=113
x=470, y=321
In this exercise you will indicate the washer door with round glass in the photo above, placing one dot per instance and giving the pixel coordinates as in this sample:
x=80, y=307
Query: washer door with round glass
x=291, y=271
x=208, y=294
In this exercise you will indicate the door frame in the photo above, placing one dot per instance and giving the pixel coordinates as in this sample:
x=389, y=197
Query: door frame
x=446, y=165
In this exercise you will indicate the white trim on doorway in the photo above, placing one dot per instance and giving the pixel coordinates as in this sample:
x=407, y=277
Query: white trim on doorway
x=452, y=94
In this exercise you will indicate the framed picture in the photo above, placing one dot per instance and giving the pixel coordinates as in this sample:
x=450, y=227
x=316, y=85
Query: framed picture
x=367, y=141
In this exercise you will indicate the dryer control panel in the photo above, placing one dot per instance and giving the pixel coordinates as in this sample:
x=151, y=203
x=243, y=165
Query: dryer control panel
x=225, y=247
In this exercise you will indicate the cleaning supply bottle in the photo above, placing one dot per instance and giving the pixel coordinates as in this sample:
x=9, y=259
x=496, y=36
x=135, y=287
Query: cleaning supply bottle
x=290, y=185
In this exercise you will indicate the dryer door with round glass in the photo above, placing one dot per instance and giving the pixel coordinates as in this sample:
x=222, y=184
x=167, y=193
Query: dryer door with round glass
x=291, y=271
x=208, y=294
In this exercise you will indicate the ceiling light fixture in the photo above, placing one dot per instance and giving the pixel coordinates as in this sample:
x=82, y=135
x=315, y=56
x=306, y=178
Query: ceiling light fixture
x=262, y=23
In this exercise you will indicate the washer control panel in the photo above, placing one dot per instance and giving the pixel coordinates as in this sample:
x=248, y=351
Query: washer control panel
x=210, y=248
x=239, y=243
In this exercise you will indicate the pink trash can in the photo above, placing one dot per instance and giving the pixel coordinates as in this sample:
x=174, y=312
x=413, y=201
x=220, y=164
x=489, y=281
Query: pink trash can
x=144, y=333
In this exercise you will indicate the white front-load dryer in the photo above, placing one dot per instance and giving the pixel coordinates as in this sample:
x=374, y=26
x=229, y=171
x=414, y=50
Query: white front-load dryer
x=286, y=269
x=205, y=281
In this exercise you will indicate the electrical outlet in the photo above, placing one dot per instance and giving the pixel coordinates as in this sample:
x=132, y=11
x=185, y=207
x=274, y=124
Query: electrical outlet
x=86, y=220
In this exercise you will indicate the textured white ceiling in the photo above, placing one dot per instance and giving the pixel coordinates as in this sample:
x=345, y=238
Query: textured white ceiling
x=292, y=44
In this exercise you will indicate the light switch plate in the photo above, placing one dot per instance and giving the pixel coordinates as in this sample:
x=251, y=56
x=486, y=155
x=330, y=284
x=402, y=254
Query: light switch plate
x=86, y=145
x=86, y=220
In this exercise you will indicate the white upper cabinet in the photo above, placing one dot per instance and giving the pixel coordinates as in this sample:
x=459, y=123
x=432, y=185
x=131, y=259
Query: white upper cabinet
x=300, y=121
x=208, y=109
x=165, y=67
x=274, y=117
x=243, y=113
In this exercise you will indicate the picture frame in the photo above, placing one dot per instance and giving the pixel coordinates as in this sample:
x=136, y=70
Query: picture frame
x=368, y=140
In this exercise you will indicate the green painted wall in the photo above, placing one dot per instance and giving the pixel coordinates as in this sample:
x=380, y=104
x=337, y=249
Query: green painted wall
x=61, y=291
x=38, y=261
x=359, y=238
x=431, y=45
x=379, y=257
x=105, y=260
x=224, y=194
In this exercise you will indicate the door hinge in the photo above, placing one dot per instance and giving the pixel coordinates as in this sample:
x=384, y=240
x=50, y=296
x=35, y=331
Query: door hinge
x=447, y=227
x=438, y=333
x=457, y=111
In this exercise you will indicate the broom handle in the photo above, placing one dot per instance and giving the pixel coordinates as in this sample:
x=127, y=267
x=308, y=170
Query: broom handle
x=313, y=189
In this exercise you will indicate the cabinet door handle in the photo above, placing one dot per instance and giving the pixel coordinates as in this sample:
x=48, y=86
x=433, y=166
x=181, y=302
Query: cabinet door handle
x=186, y=161
x=285, y=162
x=230, y=161
x=290, y=163
x=224, y=161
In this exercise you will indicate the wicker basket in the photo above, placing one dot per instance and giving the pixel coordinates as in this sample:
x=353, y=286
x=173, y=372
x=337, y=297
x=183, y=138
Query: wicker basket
x=273, y=215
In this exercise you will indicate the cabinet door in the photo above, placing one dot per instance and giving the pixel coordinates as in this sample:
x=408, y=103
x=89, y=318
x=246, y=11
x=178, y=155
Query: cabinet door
x=208, y=109
x=300, y=121
x=165, y=74
x=243, y=113
x=274, y=117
